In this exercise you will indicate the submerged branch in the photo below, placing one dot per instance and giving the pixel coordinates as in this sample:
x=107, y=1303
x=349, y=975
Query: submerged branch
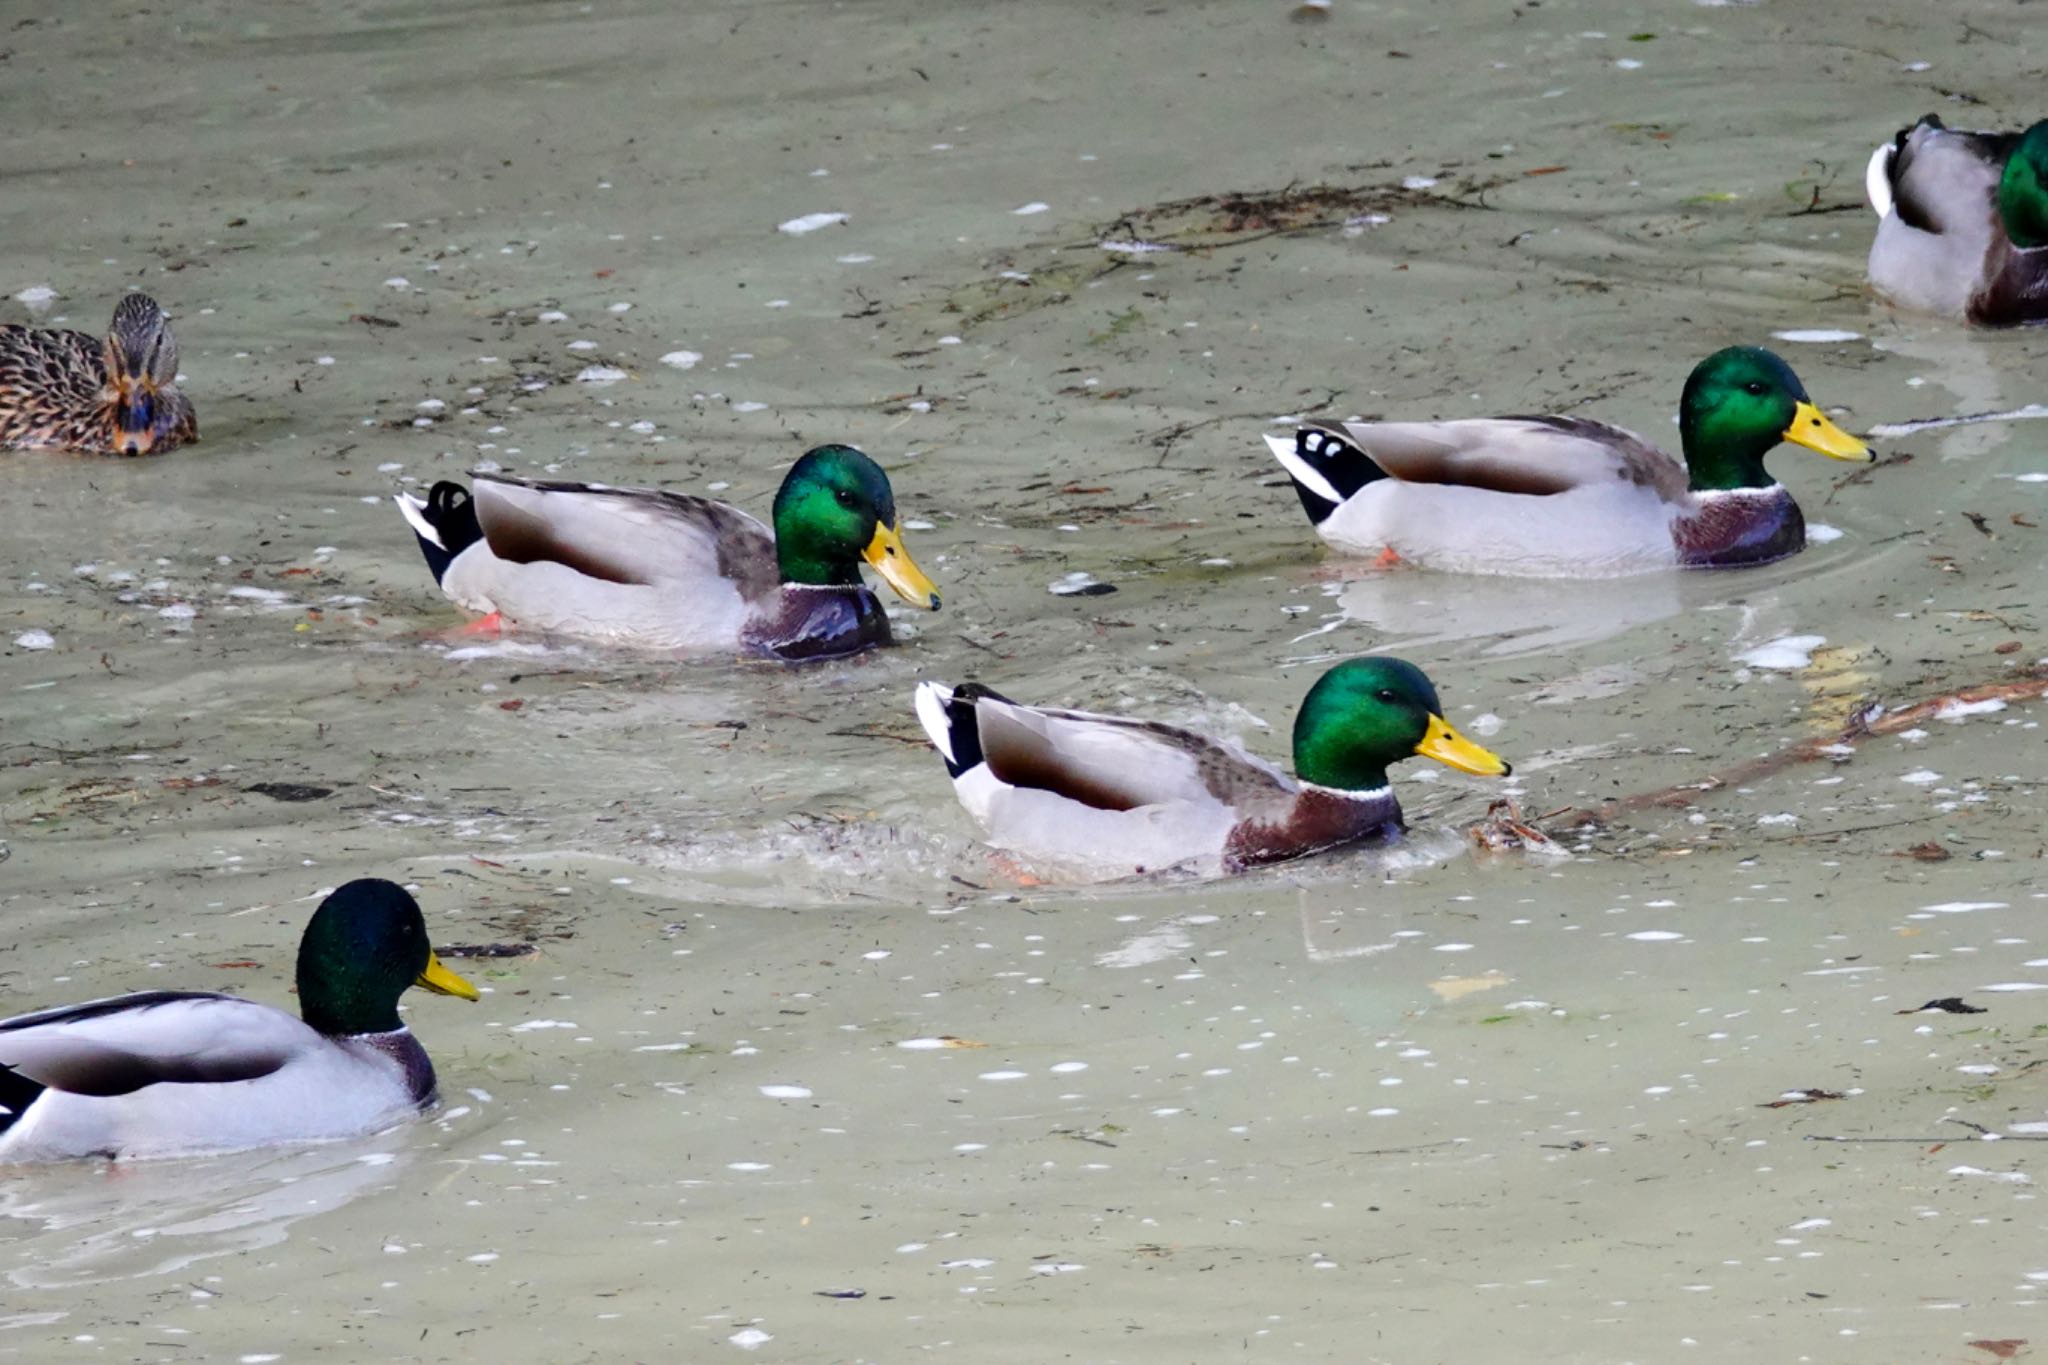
x=1869, y=723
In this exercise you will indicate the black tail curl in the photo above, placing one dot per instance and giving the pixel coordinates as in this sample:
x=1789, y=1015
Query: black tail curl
x=963, y=728
x=1342, y=464
x=451, y=511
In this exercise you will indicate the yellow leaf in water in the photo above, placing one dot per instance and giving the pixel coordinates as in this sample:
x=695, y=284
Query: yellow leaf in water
x=1458, y=987
x=1835, y=685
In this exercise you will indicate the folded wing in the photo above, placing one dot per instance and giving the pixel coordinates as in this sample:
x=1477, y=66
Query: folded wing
x=645, y=536
x=1528, y=455
x=1116, y=764
x=119, y=1046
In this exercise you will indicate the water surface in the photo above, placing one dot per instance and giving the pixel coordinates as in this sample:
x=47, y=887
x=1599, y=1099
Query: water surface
x=1442, y=1107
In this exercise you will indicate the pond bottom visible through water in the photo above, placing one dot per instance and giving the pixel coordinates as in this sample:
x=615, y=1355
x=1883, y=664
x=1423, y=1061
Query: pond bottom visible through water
x=786, y=1064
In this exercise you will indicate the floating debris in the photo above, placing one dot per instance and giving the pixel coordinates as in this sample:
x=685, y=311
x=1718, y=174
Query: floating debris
x=1786, y=653
x=2029, y=412
x=810, y=222
x=1080, y=584
x=289, y=791
x=1505, y=831
x=1811, y=1095
x=487, y=950
x=1816, y=335
x=943, y=1041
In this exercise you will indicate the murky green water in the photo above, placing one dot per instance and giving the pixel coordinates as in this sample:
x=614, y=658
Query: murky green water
x=1434, y=1109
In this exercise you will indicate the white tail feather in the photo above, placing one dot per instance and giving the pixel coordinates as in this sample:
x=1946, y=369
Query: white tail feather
x=414, y=511
x=931, y=699
x=1877, y=178
x=1300, y=470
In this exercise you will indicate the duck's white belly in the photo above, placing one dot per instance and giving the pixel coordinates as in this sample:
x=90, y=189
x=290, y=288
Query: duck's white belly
x=1055, y=833
x=1927, y=271
x=342, y=1090
x=551, y=597
x=1596, y=531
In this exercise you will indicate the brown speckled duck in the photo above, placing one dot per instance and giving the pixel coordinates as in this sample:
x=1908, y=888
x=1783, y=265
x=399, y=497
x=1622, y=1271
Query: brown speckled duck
x=1112, y=795
x=65, y=390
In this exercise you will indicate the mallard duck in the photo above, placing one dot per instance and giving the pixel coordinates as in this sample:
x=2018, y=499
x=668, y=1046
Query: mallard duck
x=1962, y=222
x=174, y=1073
x=65, y=390
x=662, y=570
x=1112, y=795
x=1569, y=497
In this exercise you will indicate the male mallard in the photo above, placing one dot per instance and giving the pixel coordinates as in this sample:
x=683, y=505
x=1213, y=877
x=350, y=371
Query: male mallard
x=661, y=570
x=1118, y=796
x=173, y=1073
x=64, y=390
x=1962, y=222
x=1568, y=497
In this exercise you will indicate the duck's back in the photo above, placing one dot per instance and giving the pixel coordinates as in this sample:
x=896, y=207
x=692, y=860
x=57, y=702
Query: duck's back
x=1941, y=221
x=173, y=1073
x=52, y=388
x=1535, y=497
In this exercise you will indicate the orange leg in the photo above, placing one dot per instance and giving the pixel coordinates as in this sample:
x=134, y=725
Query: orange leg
x=1388, y=558
x=492, y=625
x=1013, y=869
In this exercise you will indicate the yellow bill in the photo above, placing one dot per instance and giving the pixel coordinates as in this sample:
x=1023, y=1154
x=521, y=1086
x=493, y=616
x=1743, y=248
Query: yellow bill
x=893, y=562
x=1453, y=750
x=441, y=981
x=1812, y=428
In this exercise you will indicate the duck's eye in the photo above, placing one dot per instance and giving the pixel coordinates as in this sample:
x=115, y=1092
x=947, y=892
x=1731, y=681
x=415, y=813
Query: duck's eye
x=1755, y=386
x=845, y=496
x=1387, y=694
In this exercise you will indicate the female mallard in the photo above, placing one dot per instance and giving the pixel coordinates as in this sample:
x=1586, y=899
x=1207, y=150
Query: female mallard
x=661, y=570
x=1568, y=497
x=64, y=390
x=173, y=1073
x=1962, y=222
x=1116, y=796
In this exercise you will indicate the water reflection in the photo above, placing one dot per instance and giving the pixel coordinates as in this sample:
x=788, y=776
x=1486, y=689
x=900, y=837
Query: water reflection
x=1506, y=616
x=93, y=1223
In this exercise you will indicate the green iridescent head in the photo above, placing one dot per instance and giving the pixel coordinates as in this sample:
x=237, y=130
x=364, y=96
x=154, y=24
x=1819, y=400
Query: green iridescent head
x=1367, y=713
x=835, y=508
x=2023, y=189
x=363, y=947
x=1738, y=404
